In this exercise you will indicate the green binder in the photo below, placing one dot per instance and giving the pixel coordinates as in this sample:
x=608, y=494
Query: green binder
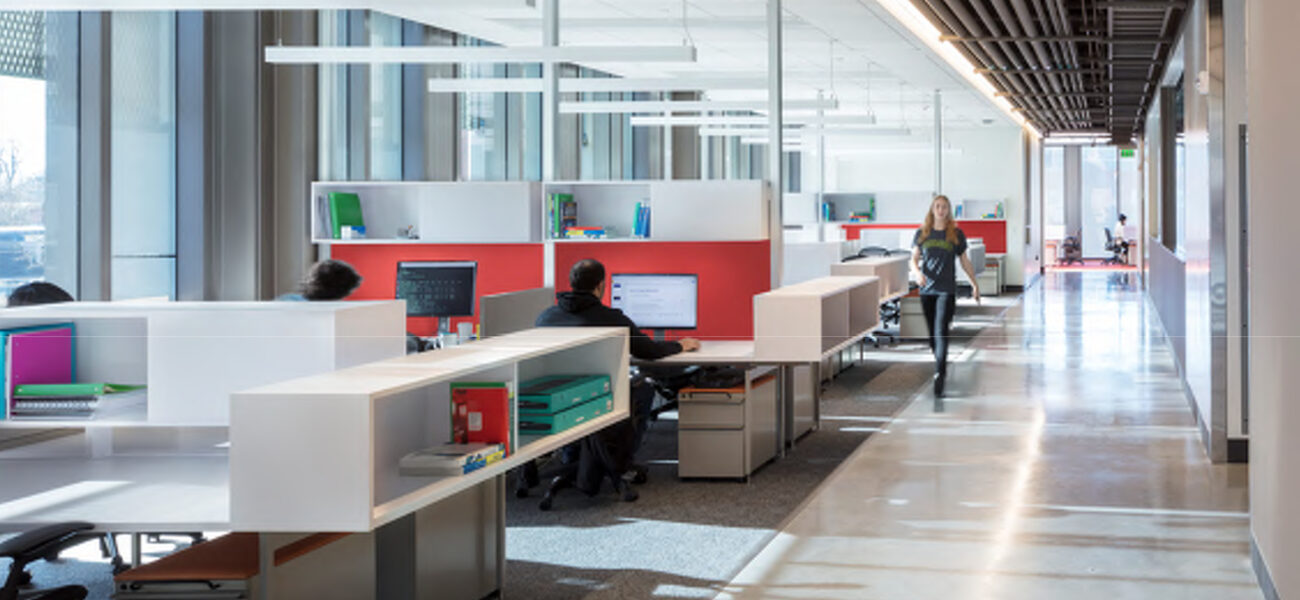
x=345, y=209
x=72, y=389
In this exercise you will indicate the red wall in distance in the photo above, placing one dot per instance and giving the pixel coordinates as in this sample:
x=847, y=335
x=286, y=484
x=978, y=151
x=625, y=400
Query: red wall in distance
x=501, y=268
x=730, y=274
x=992, y=231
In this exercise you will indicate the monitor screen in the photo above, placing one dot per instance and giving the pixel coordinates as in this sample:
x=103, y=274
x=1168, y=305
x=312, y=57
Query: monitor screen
x=437, y=289
x=655, y=301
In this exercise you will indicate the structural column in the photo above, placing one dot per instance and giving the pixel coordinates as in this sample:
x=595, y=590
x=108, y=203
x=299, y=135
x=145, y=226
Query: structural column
x=1274, y=347
x=775, y=122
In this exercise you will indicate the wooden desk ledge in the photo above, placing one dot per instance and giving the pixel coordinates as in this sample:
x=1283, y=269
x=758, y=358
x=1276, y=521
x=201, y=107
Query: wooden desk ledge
x=230, y=557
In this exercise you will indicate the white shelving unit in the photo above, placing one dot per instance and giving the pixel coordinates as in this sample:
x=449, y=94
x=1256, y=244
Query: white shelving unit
x=440, y=212
x=695, y=211
x=892, y=271
x=814, y=319
x=193, y=355
x=321, y=453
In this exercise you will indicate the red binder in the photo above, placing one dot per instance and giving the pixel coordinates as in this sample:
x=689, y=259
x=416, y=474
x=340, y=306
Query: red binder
x=480, y=414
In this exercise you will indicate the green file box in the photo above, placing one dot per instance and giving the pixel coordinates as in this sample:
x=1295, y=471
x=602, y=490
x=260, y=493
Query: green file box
x=554, y=393
x=549, y=423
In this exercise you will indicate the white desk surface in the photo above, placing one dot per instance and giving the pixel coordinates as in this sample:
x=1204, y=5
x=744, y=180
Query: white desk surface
x=55, y=481
x=737, y=352
x=710, y=352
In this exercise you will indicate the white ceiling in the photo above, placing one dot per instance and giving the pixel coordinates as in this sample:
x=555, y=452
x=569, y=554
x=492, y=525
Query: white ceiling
x=878, y=65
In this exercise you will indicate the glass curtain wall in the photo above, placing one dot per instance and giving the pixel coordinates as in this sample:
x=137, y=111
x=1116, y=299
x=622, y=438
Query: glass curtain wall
x=1053, y=193
x=143, y=161
x=39, y=69
x=1130, y=192
x=1099, y=176
x=385, y=102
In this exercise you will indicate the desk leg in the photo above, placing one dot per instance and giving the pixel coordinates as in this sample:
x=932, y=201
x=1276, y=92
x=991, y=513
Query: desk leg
x=137, y=553
x=501, y=489
x=785, y=378
x=265, y=562
x=815, y=371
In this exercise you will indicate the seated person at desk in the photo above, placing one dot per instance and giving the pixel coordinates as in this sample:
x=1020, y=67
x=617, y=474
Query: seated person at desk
x=327, y=280
x=38, y=292
x=1120, y=242
x=582, y=307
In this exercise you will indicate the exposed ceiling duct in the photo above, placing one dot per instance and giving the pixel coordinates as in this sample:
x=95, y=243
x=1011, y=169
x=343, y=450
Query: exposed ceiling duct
x=1067, y=65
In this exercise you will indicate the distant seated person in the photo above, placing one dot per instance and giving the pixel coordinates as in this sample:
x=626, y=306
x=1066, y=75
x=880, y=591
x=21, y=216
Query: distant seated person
x=1120, y=242
x=327, y=280
x=38, y=292
x=582, y=307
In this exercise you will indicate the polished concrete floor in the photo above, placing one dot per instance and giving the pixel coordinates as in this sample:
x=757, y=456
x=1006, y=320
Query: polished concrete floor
x=1064, y=463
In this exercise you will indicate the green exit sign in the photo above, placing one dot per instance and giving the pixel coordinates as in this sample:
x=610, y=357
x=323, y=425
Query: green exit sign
x=1127, y=152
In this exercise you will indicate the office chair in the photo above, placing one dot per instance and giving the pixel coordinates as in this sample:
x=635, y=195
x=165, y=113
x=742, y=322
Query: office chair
x=1071, y=250
x=609, y=453
x=1118, y=250
x=868, y=251
x=42, y=543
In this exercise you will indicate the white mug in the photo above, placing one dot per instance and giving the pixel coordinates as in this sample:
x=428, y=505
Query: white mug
x=465, y=329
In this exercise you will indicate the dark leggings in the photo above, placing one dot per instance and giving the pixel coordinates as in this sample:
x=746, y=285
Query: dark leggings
x=938, y=319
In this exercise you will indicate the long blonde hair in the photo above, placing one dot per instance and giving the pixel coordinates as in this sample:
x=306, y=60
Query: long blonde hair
x=950, y=233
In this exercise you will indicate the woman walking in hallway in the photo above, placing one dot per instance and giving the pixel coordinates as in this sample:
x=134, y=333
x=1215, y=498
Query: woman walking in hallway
x=935, y=249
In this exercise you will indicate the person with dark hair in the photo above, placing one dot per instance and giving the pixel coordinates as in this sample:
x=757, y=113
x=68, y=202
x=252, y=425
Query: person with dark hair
x=327, y=280
x=38, y=292
x=1118, y=236
x=582, y=307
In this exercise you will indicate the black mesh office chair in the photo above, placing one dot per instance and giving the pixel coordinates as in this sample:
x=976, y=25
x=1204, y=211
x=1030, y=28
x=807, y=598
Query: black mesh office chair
x=42, y=543
x=1071, y=250
x=1118, y=250
x=867, y=251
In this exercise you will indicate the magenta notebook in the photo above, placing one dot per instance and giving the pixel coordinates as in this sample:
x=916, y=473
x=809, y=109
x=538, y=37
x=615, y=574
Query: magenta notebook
x=43, y=356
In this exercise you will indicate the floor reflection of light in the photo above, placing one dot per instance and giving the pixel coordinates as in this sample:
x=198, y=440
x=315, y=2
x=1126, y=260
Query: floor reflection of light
x=1015, y=504
x=55, y=497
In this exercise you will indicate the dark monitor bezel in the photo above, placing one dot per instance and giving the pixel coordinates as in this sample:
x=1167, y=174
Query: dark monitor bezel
x=473, y=285
x=695, y=276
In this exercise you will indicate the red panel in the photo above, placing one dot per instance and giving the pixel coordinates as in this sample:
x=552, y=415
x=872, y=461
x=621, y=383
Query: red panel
x=993, y=231
x=501, y=268
x=731, y=273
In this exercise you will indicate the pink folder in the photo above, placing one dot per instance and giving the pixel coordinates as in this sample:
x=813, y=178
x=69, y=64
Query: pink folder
x=43, y=356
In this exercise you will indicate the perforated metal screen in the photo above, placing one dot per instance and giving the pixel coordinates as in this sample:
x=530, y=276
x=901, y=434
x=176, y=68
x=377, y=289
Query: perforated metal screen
x=22, y=44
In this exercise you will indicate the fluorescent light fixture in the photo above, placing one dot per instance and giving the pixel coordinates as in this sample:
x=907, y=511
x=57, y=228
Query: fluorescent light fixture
x=693, y=106
x=846, y=121
x=803, y=132
x=490, y=84
x=316, y=55
x=659, y=84
x=921, y=27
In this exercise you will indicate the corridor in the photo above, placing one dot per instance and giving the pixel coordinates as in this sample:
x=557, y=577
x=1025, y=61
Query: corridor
x=1064, y=463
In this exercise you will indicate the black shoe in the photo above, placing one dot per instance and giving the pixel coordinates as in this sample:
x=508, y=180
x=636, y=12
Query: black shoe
x=938, y=384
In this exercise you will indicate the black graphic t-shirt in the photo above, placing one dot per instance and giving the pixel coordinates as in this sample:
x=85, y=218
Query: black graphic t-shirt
x=939, y=260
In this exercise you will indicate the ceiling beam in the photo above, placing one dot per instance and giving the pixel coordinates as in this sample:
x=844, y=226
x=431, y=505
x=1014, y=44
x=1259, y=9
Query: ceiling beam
x=1097, y=71
x=1055, y=38
x=1141, y=5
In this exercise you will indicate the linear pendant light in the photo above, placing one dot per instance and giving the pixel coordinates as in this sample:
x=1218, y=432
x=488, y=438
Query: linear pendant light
x=801, y=132
x=316, y=55
x=748, y=120
x=692, y=106
x=592, y=84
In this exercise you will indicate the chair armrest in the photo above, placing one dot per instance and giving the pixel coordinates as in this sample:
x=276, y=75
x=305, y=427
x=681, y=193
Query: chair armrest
x=38, y=542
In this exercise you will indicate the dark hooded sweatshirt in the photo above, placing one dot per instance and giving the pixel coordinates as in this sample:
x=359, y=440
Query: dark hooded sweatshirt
x=584, y=309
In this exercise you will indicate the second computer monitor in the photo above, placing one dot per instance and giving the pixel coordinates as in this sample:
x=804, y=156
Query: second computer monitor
x=437, y=289
x=656, y=301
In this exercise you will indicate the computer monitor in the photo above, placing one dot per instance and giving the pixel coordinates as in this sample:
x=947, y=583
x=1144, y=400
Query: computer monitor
x=437, y=289
x=655, y=300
